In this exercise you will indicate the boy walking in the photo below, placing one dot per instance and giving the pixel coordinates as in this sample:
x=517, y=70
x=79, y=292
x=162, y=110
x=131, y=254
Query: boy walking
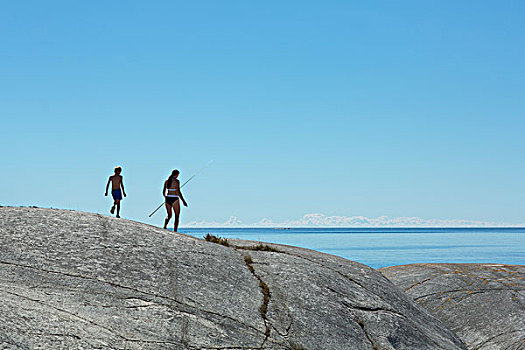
x=116, y=192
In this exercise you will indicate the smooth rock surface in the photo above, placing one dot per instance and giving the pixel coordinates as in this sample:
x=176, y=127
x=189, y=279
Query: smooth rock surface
x=74, y=280
x=484, y=304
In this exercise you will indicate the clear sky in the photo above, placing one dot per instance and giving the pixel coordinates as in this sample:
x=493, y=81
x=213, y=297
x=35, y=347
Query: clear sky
x=344, y=108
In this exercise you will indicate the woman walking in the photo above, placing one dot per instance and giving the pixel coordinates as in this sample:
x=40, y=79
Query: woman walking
x=172, y=193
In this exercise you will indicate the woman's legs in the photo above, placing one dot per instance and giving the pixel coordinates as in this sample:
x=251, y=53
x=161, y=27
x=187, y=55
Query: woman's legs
x=176, y=209
x=168, y=209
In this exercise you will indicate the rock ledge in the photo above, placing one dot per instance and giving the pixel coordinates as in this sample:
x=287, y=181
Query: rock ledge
x=79, y=280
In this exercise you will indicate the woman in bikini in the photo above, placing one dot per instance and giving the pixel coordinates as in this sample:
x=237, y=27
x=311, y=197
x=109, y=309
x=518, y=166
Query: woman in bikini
x=172, y=193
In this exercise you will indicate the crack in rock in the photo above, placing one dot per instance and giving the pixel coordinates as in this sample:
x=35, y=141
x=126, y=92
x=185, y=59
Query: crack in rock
x=361, y=307
x=363, y=327
x=477, y=347
x=63, y=335
x=265, y=290
x=371, y=309
x=418, y=283
x=470, y=292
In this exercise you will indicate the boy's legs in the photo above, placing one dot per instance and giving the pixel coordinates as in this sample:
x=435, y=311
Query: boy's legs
x=117, y=196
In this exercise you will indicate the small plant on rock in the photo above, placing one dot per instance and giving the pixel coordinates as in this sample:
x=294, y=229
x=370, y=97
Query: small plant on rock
x=215, y=239
x=263, y=247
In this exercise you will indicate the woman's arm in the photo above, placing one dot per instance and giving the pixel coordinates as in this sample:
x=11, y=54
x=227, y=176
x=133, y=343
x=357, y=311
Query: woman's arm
x=180, y=195
x=164, y=188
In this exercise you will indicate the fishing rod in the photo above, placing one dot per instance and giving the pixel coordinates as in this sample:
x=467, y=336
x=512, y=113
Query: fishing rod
x=181, y=186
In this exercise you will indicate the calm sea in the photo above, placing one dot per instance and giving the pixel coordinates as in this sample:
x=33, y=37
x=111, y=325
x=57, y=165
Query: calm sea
x=380, y=247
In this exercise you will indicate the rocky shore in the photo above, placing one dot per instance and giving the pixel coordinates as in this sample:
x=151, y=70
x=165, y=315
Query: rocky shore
x=71, y=280
x=484, y=304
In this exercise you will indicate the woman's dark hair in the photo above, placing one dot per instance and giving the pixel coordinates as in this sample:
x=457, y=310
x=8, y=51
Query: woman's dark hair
x=170, y=179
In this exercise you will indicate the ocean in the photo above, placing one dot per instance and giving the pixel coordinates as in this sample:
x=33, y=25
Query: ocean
x=380, y=247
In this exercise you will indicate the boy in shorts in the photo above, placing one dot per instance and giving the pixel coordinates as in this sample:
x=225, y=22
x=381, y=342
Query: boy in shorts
x=116, y=192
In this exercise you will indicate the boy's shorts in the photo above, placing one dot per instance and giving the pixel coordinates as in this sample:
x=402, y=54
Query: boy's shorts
x=117, y=194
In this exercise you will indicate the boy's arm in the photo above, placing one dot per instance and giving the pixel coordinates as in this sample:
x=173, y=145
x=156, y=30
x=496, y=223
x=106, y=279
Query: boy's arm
x=122, y=185
x=107, y=185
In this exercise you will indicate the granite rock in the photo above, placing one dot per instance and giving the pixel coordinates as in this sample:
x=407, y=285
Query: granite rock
x=71, y=280
x=484, y=304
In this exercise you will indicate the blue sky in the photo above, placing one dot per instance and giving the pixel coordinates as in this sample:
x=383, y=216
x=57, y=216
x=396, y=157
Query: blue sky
x=376, y=108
